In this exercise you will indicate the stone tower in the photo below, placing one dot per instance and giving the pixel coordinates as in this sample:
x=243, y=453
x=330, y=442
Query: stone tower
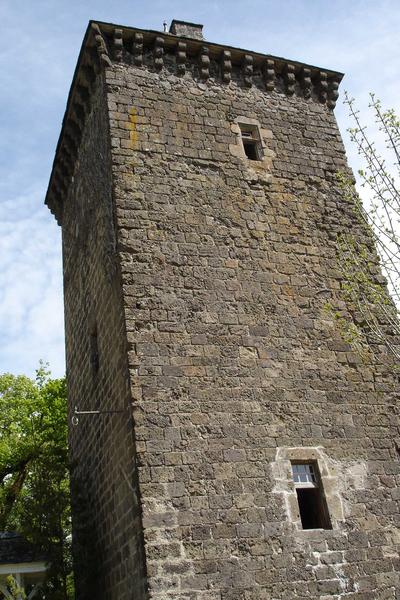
x=242, y=449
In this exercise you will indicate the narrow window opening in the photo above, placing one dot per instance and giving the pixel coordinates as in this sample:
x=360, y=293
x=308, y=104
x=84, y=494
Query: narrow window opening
x=250, y=149
x=251, y=141
x=310, y=496
x=94, y=351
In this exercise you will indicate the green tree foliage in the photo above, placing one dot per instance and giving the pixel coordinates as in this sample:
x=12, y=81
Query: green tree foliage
x=34, y=482
x=380, y=215
x=13, y=589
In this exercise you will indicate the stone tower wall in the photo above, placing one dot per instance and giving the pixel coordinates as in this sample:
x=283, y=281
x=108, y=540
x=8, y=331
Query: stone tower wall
x=228, y=266
x=107, y=526
x=213, y=282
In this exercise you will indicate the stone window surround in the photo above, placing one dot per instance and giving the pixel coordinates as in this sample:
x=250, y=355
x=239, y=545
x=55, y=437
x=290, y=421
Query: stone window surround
x=251, y=133
x=284, y=485
x=263, y=134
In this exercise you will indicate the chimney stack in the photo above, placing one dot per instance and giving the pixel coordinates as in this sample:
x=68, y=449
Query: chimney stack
x=187, y=30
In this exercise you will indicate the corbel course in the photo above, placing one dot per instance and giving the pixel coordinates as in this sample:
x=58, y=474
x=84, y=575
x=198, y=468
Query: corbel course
x=129, y=44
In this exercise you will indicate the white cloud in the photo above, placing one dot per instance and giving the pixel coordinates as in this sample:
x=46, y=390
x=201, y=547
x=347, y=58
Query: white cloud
x=31, y=321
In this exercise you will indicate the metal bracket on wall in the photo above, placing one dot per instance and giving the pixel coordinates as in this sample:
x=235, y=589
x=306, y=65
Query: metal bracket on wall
x=75, y=416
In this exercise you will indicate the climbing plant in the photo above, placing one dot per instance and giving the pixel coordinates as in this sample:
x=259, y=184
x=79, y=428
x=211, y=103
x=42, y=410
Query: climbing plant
x=379, y=212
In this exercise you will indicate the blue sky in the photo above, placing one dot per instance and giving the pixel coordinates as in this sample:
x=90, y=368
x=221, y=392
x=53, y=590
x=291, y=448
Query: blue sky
x=39, y=46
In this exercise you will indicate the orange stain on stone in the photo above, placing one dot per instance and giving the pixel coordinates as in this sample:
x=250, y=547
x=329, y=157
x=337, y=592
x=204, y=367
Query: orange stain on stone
x=133, y=135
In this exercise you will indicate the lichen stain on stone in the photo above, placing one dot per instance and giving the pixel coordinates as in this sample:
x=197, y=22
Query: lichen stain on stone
x=133, y=134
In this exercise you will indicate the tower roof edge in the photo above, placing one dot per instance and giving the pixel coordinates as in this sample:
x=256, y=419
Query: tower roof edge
x=105, y=43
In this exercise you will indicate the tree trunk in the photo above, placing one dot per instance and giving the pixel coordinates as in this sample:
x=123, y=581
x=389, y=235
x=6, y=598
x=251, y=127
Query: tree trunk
x=12, y=495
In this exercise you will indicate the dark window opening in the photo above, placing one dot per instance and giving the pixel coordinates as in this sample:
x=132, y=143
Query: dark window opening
x=94, y=351
x=310, y=496
x=251, y=141
x=313, y=513
x=250, y=149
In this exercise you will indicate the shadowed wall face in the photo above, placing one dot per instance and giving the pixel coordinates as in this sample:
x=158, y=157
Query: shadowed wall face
x=107, y=540
x=209, y=276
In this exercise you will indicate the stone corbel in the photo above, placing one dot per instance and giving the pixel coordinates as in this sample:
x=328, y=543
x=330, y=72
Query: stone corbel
x=333, y=93
x=83, y=96
x=92, y=59
x=269, y=75
x=306, y=82
x=101, y=46
x=118, y=44
x=204, y=62
x=290, y=79
x=323, y=87
x=181, y=58
x=75, y=131
x=226, y=66
x=67, y=156
x=79, y=113
x=88, y=76
x=138, y=50
x=70, y=144
x=158, y=53
x=247, y=68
